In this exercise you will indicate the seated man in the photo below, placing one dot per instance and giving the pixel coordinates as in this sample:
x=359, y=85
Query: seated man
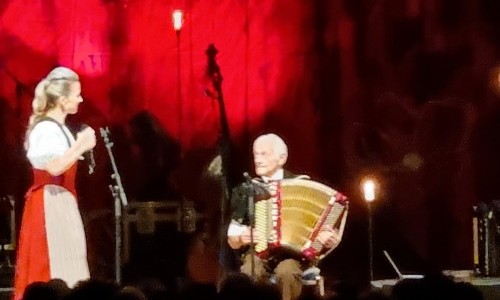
x=270, y=154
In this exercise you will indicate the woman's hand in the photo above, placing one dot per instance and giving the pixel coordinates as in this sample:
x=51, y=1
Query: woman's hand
x=86, y=139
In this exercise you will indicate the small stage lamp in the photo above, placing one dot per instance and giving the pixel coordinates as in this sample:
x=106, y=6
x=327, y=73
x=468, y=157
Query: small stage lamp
x=369, y=192
x=177, y=20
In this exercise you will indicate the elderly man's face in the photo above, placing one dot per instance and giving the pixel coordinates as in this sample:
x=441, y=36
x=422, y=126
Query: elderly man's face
x=265, y=158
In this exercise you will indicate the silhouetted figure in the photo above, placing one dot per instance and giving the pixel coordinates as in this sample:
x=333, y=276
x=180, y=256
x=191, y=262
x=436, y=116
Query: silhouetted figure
x=40, y=291
x=156, y=155
x=130, y=293
x=93, y=289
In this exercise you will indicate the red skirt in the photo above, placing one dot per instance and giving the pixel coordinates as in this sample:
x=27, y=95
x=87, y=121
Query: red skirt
x=33, y=255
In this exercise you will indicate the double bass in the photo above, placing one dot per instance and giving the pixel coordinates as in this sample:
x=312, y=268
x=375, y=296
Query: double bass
x=202, y=252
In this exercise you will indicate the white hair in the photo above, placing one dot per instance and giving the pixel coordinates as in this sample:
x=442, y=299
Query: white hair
x=279, y=146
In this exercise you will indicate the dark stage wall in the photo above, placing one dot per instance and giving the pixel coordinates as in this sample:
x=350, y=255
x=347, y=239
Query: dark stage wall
x=405, y=90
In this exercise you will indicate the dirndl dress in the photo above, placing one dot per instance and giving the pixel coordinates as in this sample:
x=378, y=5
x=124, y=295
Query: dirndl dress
x=52, y=239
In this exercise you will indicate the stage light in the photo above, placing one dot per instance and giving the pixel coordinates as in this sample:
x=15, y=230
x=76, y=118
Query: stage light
x=494, y=79
x=369, y=186
x=177, y=22
x=177, y=19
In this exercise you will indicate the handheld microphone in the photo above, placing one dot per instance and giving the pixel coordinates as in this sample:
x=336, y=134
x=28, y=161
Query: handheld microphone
x=91, y=162
x=89, y=155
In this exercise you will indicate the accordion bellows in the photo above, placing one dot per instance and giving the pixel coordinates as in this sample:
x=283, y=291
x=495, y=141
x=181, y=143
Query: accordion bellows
x=292, y=217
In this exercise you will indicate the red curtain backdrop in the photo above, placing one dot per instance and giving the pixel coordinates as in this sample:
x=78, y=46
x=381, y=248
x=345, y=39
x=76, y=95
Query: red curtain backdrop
x=399, y=89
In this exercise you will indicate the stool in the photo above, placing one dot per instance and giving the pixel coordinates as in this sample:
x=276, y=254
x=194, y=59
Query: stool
x=311, y=278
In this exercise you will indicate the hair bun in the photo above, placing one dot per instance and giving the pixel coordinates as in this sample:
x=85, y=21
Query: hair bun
x=40, y=100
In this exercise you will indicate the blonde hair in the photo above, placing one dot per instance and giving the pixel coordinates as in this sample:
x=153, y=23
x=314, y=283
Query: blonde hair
x=47, y=92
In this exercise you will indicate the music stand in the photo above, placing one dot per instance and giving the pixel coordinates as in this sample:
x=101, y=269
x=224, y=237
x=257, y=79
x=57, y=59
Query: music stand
x=398, y=271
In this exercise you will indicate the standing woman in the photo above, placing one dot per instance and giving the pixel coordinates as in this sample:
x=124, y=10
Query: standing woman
x=52, y=239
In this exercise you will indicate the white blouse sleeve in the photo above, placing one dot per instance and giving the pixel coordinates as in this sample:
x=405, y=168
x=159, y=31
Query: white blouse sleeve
x=46, y=141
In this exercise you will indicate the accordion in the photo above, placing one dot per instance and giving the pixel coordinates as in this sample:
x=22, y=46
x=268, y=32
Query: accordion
x=290, y=220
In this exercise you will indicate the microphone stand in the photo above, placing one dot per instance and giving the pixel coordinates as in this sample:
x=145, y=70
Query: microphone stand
x=249, y=189
x=120, y=199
